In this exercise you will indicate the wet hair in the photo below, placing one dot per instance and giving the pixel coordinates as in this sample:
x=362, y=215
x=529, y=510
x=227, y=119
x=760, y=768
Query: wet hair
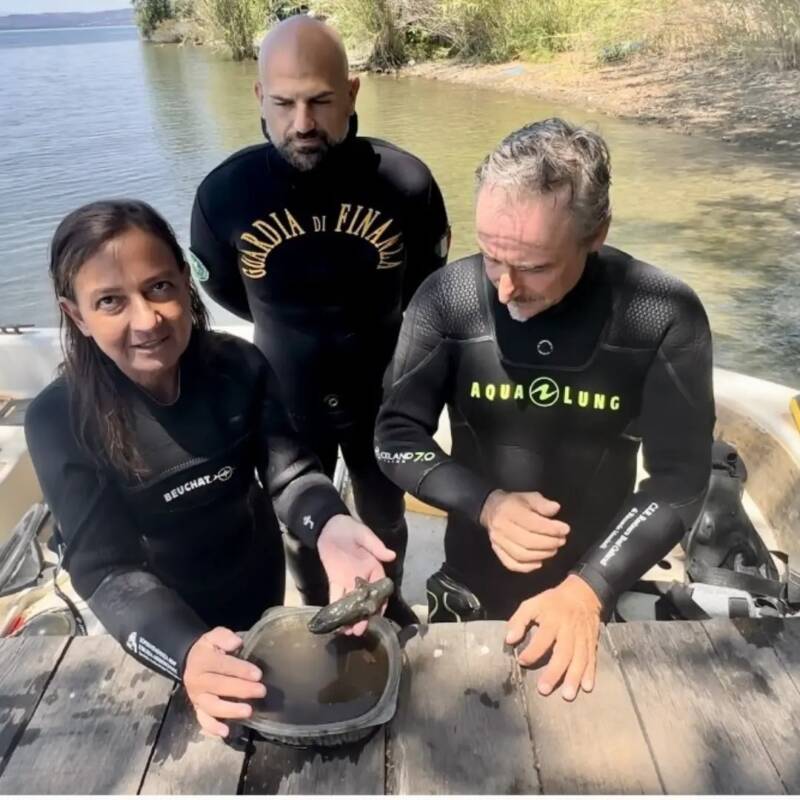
x=99, y=414
x=544, y=157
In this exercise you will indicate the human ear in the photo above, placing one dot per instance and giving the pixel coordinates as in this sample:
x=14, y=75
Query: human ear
x=599, y=237
x=70, y=308
x=354, y=86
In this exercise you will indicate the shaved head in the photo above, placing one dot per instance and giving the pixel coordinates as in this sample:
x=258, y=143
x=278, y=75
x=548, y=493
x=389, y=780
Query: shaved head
x=304, y=90
x=303, y=45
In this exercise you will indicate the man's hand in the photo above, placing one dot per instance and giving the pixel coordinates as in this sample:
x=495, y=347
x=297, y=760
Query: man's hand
x=568, y=620
x=521, y=530
x=350, y=550
x=211, y=674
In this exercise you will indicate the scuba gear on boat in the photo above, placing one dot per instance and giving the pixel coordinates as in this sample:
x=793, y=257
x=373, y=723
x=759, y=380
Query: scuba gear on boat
x=723, y=536
x=730, y=572
x=729, y=569
x=451, y=601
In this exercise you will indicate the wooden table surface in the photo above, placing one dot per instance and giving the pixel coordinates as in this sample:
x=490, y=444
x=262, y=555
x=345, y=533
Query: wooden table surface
x=679, y=707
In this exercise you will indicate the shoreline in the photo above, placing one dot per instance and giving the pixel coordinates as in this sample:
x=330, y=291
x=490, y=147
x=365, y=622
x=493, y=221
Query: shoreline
x=720, y=99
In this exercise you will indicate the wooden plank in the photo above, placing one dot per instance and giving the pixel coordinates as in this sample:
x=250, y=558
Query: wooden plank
x=701, y=742
x=750, y=670
x=187, y=762
x=595, y=744
x=94, y=729
x=349, y=769
x=460, y=726
x=26, y=664
x=785, y=639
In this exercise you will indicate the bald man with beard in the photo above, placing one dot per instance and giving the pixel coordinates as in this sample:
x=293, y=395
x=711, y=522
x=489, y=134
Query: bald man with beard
x=320, y=237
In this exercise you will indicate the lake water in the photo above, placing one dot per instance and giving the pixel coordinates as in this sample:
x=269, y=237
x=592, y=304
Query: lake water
x=90, y=113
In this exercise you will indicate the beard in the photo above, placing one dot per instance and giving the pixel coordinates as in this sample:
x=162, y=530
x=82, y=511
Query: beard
x=300, y=155
x=523, y=310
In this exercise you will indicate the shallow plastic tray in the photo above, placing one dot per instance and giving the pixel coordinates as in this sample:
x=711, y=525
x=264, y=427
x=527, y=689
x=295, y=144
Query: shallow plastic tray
x=330, y=733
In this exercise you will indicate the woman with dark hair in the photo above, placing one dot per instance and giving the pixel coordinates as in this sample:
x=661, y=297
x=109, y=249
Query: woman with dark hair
x=152, y=447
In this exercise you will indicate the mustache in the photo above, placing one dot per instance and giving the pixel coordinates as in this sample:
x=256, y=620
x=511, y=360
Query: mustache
x=309, y=135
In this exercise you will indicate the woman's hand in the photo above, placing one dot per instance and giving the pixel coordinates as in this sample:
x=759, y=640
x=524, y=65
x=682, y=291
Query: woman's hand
x=211, y=675
x=348, y=550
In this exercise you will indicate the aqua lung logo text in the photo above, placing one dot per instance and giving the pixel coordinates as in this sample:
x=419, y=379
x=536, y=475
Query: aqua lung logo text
x=545, y=392
x=223, y=474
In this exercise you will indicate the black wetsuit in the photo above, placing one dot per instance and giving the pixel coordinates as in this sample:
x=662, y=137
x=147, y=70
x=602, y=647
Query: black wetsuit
x=194, y=543
x=559, y=405
x=324, y=262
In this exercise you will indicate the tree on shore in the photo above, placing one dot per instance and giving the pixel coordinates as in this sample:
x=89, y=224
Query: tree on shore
x=150, y=14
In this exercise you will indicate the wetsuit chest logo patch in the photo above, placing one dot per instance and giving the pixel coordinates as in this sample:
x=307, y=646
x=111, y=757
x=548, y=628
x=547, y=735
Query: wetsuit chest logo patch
x=223, y=474
x=545, y=392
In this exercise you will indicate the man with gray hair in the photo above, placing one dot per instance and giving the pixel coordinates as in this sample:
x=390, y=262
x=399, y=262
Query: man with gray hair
x=556, y=357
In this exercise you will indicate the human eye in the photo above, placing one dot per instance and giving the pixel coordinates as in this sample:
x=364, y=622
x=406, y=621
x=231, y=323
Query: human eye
x=108, y=302
x=161, y=288
x=534, y=270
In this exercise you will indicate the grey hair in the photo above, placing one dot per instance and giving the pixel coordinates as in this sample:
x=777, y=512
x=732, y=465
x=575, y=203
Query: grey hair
x=545, y=156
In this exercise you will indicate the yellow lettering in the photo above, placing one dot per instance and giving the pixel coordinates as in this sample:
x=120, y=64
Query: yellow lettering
x=319, y=224
x=256, y=242
x=252, y=264
x=366, y=223
x=280, y=225
x=344, y=210
x=519, y=392
x=475, y=390
x=375, y=236
x=567, y=396
x=599, y=401
x=490, y=391
x=267, y=230
x=294, y=226
x=353, y=221
x=505, y=391
x=583, y=399
x=383, y=247
x=614, y=403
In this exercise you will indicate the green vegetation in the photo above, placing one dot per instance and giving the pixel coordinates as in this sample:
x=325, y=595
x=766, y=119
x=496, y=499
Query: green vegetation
x=766, y=31
x=150, y=14
x=236, y=23
x=390, y=32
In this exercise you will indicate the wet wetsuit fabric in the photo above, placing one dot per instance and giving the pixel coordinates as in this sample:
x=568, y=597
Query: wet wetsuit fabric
x=195, y=543
x=324, y=262
x=558, y=404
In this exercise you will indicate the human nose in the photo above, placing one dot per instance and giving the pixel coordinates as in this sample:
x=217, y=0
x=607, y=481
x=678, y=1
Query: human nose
x=506, y=288
x=144, y=316
x=303, y=119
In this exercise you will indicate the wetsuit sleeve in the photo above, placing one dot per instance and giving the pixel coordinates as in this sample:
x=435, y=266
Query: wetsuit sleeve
x=416, y=386
x=303, y=496
x=219, y=264
x=104, y=555
x=676, y=423
x=427, y=240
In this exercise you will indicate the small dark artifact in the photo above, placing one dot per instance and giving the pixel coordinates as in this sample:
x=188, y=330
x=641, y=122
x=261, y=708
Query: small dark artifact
x=362, y=602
